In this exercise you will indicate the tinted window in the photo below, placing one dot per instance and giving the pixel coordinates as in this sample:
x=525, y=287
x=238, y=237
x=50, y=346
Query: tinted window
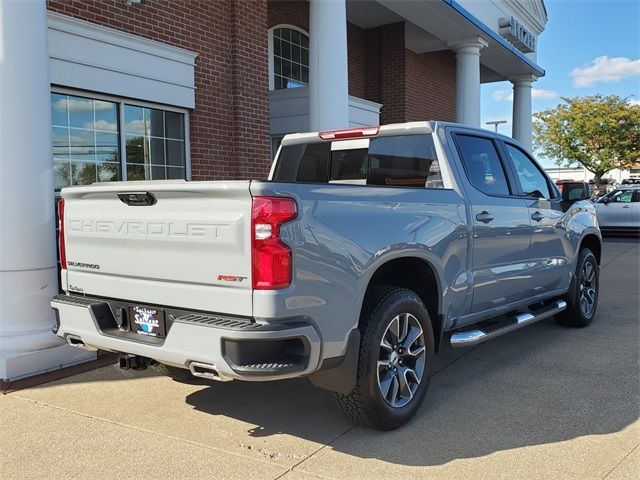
x=408, y=161
x=532, y=181
x=303, y=163
x=349, y=165
x=622, y=196
x=403, y=161
x=482, y=164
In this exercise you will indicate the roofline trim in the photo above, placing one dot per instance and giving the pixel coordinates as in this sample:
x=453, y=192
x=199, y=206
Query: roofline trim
x=493, y=35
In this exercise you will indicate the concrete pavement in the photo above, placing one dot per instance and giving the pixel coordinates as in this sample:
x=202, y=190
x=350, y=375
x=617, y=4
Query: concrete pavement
x=542, y=402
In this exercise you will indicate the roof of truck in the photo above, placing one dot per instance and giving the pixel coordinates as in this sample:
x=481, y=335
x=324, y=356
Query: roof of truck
x=372, y=131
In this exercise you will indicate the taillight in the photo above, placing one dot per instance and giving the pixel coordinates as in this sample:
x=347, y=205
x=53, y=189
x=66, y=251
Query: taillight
x=270, y=257
x=349, y=133
x=62, y=253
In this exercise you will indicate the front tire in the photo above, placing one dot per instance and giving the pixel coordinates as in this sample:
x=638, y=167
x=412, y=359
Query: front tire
x=394, y=367
x=583, y=301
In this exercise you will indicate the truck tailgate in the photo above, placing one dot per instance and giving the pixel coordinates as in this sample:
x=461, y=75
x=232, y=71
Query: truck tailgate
x=190, y=248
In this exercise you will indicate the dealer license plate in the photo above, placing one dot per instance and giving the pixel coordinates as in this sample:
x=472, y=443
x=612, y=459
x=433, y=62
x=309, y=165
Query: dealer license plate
x=147, y=321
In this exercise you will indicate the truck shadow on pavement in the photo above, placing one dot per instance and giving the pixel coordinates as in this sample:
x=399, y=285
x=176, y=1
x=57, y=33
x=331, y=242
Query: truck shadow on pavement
x=540, y=385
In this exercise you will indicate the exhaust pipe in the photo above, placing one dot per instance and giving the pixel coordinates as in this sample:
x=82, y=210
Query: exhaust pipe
x=204, y=370
x=77, y=342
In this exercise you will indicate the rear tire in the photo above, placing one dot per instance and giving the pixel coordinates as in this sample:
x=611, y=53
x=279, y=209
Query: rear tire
x=583, y=301
x=181, y=375
x=394, y=365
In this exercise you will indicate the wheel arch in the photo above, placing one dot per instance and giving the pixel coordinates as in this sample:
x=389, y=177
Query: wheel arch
x=416, y=274
x=593, y=243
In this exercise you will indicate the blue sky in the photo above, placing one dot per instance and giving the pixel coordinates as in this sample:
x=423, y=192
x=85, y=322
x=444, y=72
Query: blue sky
x=588, y=47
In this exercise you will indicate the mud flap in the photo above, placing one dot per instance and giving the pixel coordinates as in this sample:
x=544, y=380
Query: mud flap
x=339, y=374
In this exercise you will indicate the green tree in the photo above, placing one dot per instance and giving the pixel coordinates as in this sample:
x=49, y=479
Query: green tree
x=600, y=132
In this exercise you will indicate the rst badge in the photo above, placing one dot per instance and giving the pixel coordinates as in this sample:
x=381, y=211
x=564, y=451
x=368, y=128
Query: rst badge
x=231, y=278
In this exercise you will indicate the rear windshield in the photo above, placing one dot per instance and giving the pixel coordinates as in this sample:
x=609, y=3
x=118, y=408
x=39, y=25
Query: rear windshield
x=400, y=161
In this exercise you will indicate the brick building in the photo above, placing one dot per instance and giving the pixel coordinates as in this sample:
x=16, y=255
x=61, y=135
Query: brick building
x=205, y=90
x=238, y=71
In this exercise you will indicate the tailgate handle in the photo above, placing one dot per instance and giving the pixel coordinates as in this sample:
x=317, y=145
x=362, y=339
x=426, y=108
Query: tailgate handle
x=137, y=199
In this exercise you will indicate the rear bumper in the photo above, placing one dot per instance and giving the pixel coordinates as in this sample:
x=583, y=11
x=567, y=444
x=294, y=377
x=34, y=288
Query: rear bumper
x=236, y=348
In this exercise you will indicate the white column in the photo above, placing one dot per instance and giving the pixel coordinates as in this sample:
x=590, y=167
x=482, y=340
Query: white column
x=27, y=244
x=468, y=81
x=329, y=74
x=522, y=109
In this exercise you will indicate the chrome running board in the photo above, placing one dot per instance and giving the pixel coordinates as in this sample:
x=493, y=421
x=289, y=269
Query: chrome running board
x=474, y=337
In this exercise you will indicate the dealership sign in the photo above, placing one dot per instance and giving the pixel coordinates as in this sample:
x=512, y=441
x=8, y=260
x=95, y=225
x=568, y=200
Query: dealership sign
x=515, y=33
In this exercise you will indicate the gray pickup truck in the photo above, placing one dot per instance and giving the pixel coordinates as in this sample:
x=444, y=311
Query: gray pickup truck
x=365, y=251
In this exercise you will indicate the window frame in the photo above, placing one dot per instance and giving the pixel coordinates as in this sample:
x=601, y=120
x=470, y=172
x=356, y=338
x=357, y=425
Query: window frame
x=122, y=101
x=634, y=196
x=270, y=51
x=446, y=184
x=512, y=172
x=513, y=188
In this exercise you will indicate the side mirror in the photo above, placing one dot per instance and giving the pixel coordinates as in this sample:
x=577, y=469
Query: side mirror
x=575, y=191
x=604, y=200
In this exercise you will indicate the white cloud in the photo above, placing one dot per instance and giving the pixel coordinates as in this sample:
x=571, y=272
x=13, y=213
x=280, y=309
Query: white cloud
x=542, y=94
x=536, y=93
x=104, y=125
x=500, y=95
x=85, y=105
x=633, y=102
x=605, y=69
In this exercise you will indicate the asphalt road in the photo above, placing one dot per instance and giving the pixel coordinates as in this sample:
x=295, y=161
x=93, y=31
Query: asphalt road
x=542, y=402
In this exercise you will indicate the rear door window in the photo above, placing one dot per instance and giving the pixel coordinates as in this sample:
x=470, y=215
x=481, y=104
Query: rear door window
x=482, y=164
x=398, y=161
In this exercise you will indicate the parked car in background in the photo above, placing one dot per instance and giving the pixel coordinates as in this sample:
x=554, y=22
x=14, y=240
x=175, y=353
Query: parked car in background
x=560, y=183
x=619, y=210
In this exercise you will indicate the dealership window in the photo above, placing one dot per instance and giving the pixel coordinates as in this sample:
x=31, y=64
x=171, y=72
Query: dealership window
x=289, y=57
x=100, y=139
x=154, y=144
x=85, y=140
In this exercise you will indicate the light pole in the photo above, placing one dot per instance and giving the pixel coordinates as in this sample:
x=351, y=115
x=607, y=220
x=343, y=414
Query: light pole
x=495, y=123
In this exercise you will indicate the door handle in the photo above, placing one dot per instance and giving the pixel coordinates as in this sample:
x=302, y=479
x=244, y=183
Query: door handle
x=484, y=217
x=137, y=199
x=626, y=206
x=537, y=216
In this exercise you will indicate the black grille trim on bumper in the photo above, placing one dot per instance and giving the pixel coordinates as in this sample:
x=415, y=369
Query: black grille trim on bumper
x=218, y=322
x=76, y=300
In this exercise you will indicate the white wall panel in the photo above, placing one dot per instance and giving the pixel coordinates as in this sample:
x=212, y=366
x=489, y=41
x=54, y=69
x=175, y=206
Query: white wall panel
x=92, y=57
x=290, y=111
